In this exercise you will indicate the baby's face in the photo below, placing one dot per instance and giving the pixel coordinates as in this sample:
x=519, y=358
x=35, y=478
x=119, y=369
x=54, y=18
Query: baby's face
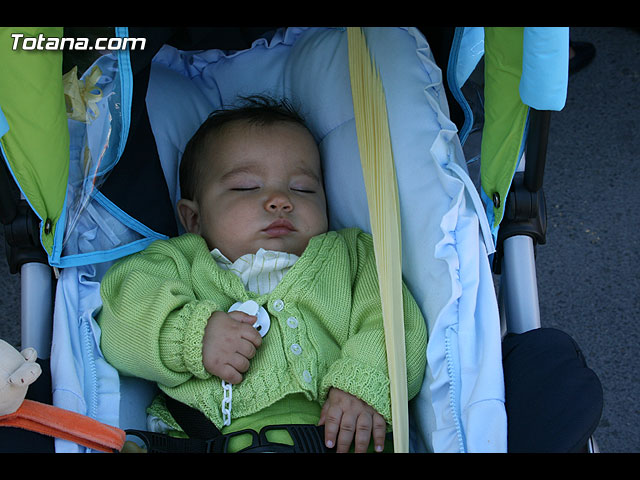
x=264, y=190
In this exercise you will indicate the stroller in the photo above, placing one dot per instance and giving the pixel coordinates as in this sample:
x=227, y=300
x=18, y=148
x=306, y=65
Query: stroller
x=465, y=106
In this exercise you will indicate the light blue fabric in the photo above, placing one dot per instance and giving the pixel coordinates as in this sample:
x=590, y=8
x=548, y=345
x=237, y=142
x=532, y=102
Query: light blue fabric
x=83, y=381
x=545, y=67
x=469, y=53
x=445, y=264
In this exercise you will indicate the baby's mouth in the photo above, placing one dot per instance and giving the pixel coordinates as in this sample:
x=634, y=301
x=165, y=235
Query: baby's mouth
x=279, y=228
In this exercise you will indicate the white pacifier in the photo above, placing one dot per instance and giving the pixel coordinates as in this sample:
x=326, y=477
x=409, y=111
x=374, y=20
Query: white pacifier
x=252, y=308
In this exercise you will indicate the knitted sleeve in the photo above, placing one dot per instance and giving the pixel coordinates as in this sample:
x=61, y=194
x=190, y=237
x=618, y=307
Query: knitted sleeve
x=152, y=324
x=362, y=369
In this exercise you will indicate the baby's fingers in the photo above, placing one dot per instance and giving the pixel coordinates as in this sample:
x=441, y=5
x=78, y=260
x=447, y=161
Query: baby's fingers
x=348, y=429
x=364, y=427
x=330, y=417
x=247, y=331
x=379, y=432
x=243, y=317
x=230, y=374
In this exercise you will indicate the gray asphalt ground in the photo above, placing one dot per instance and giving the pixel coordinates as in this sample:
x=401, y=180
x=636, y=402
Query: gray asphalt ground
x=588, y=279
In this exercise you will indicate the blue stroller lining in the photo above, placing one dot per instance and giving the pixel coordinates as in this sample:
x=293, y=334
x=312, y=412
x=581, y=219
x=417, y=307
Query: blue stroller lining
x=446, y=236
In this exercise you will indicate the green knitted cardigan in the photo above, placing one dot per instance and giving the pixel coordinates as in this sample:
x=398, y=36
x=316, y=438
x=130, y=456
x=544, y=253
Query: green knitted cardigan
x=326, y=325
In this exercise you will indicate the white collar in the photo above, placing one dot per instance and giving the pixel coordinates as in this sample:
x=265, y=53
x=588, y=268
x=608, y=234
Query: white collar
x=260, y=272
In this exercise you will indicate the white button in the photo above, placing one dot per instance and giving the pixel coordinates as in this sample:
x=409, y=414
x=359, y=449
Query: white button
x=292, y=322
x=278, y=305
x=296, y=349
x=306, y=376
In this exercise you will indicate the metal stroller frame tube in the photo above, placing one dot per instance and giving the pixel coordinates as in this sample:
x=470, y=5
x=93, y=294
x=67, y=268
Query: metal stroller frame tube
x=37, y=307
x=26, y=255
x=519, y=290
x=524, y=227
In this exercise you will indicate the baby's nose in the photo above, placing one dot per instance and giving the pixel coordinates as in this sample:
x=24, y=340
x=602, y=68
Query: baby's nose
x=278, y=201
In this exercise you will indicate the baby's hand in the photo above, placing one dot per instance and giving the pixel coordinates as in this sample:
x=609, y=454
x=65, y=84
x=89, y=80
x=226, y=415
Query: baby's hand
x=344, y=416
x=229, y=342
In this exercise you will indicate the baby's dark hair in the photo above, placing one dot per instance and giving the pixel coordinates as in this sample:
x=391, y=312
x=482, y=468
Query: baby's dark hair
x=255, y=110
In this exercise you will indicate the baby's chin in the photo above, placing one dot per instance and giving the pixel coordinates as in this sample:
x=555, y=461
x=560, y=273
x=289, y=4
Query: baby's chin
x=284, y=244
x=277, y=244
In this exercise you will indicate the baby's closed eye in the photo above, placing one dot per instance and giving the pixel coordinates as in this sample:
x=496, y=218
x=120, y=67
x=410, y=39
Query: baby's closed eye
x=303, y=189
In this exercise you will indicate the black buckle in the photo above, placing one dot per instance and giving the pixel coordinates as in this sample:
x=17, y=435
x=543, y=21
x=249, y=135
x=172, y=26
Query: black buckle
x=306, y=439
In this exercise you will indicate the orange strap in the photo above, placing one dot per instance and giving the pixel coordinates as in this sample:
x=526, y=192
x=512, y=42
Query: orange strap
x=57, y=422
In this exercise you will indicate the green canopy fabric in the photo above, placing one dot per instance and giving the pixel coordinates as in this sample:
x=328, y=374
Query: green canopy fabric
x=33, y=122
x=505, y=116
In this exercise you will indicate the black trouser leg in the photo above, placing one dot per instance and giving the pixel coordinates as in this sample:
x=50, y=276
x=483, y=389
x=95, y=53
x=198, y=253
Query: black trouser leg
x=553, y=400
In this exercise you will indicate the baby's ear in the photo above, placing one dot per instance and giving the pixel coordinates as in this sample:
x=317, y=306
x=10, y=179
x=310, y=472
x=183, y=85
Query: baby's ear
x=189, y=215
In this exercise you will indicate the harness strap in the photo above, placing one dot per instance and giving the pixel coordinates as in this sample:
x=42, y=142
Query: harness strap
x=205, y=437
x=192, y=421
x=306, y=439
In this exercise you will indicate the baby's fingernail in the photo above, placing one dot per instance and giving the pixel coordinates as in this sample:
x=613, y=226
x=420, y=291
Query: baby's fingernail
x=379, y=448
x=329, y=444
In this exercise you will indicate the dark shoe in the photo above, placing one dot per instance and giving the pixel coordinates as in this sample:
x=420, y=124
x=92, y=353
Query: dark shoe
x=583, y=53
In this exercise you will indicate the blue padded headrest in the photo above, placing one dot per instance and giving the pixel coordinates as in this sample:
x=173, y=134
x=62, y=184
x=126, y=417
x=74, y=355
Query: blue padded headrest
x=310, y=67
